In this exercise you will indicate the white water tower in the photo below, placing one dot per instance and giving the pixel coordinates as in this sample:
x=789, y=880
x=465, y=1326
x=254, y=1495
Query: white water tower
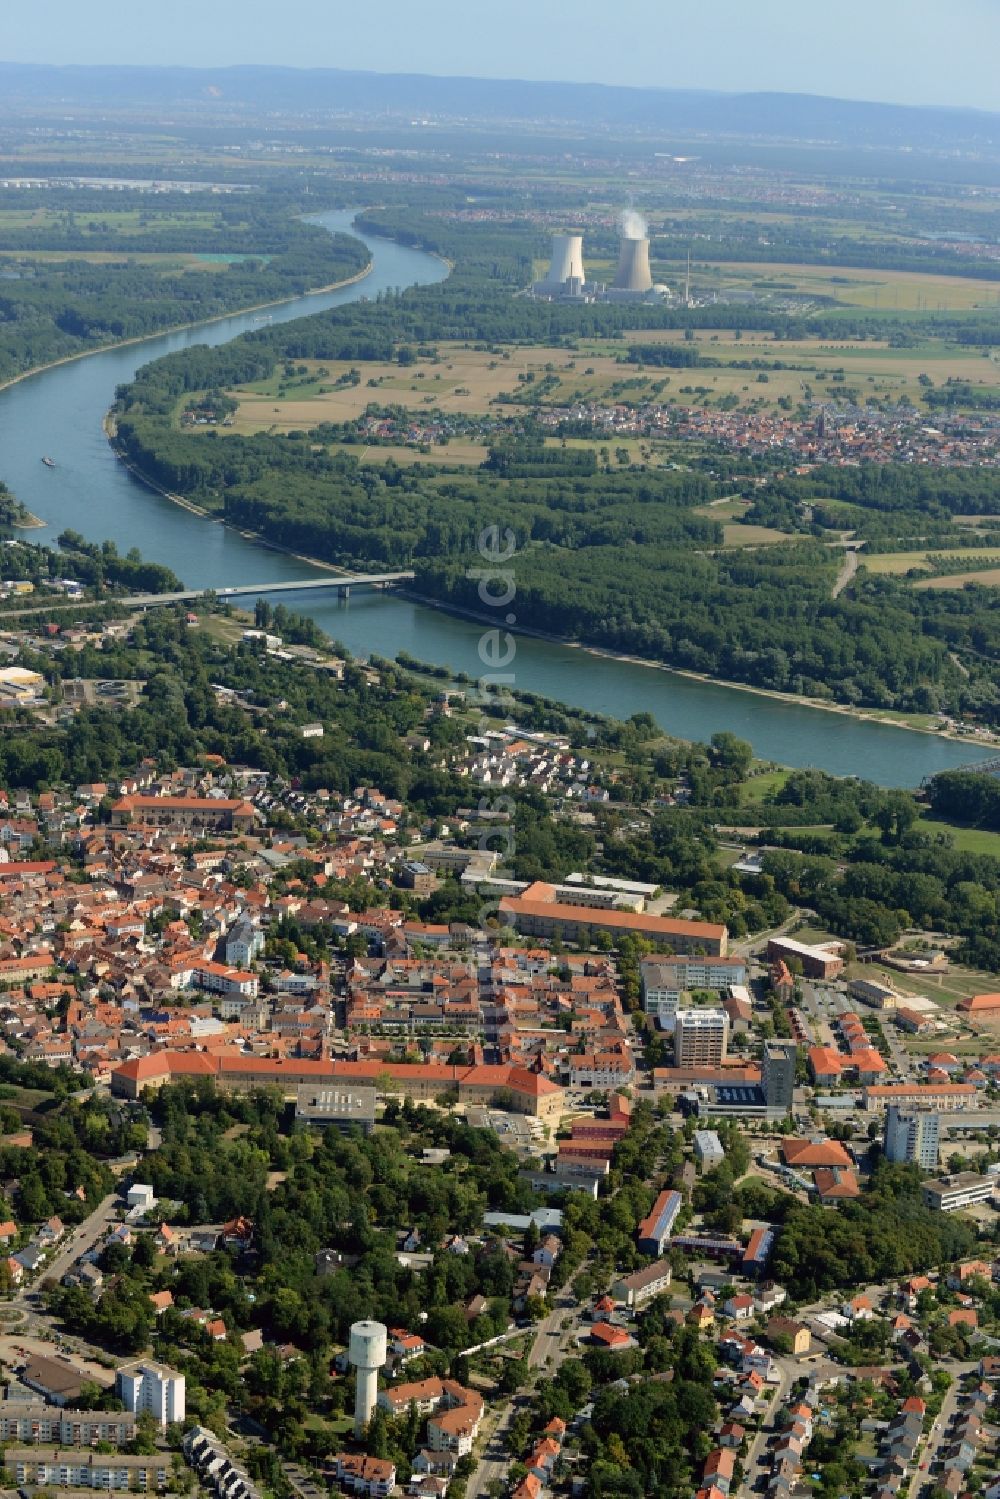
x=367, y=1352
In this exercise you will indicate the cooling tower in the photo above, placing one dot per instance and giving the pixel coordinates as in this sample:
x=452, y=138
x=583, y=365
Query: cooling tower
x=633, y=266
x=567, y=259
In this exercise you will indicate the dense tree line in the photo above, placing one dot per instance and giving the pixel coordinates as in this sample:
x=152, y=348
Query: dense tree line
x=50, y=309
x=886, y=1234
x=971, y=797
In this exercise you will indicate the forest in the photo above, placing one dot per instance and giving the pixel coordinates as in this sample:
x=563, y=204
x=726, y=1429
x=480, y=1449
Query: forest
x=887, y=1234
x=765, y=617
x=54, y=308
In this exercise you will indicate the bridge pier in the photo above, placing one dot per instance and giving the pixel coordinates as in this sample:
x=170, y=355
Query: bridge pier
x=344, y=591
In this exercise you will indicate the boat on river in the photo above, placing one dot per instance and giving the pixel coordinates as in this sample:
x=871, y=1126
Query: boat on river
x=49, y=462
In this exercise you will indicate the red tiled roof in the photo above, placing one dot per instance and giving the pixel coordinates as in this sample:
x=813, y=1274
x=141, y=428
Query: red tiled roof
x=976, y=1004
x=625, y=920
x=810, y=1153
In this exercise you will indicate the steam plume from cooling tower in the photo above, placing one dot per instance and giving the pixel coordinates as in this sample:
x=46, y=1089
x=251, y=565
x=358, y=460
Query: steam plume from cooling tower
x=632, y=225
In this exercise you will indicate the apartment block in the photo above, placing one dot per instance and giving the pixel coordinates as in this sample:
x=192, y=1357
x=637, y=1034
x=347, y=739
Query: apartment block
x=146, y=1386
x=912, y=1134
x=64, y=1427
x=88, y=1470
x=700, y=1038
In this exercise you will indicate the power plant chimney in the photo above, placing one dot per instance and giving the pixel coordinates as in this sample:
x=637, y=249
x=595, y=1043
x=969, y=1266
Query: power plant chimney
x=633, y=272
x=567, y=260
x=367, y=1352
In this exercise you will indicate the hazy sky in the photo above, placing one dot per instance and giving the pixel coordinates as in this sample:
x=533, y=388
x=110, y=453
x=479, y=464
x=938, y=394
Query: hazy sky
x=909, y=51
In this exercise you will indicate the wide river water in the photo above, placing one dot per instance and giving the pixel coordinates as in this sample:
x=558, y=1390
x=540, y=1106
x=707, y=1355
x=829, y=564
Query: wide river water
x=59, y=412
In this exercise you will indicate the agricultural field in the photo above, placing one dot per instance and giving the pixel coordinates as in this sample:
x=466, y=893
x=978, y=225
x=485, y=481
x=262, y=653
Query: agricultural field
x=897, y=564
x=898, y=291
x=986, y=578
x=872, y=369
x=879, y=290
x=466, y=381
x=736, y=535
x=122, y=222
x=164, y=260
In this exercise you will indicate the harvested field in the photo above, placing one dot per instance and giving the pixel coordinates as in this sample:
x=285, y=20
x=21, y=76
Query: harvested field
x=988, y=578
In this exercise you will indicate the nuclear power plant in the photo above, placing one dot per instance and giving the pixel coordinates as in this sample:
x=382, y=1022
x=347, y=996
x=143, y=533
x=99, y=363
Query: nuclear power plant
x=633, y=273
x=367, y=1352
x=566, y=279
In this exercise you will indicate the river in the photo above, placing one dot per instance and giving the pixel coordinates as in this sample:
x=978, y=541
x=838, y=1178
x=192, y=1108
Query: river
x=59, y=412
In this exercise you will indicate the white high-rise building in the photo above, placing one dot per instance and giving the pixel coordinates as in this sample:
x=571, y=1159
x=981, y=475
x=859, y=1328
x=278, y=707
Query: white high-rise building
x=367, y=1352
x=145, y=1386
x=912, y=1134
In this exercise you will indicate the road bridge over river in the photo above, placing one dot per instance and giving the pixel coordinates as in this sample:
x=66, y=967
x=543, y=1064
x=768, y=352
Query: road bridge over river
x=342, y=582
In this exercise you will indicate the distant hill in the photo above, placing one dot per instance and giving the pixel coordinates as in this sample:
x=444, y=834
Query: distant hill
x=225, y=92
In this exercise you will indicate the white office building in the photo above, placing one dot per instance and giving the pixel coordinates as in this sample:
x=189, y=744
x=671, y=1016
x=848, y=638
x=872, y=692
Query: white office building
x=667, y=981
x=146, y=1386
x=963, y=1189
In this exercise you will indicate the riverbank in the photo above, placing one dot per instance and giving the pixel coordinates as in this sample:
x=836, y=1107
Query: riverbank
x=884, y=717
x=845, y=710
x=219, y=317
x=110, y=431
